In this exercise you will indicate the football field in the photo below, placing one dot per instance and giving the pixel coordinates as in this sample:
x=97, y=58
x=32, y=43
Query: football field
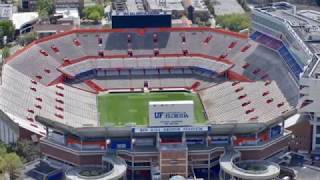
x=120, y=109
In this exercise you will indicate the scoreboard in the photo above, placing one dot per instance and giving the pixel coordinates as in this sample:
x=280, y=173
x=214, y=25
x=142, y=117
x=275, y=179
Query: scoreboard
x=141, y=20
x=171, y=113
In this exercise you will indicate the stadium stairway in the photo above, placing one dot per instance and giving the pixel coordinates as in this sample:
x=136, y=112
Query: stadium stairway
x=94, y=86
x=195, y=85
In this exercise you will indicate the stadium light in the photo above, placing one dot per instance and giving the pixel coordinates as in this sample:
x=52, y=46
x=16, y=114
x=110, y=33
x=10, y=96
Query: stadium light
x=108, y=141
x=234, y=138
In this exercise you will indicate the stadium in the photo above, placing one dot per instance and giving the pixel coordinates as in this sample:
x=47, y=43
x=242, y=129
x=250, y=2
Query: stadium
x=89, y=93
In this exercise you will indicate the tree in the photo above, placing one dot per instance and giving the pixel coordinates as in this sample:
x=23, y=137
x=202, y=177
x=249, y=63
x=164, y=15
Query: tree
x=45, y=8
x=208, y=23
x=27, y=38
x=95, y=16
x=12, y=164
x=5, y=52
x=9, y=162
x=3, y=152
x=94, y=13
x=2, y=168
x=234, y=22
x=175, y=14
x=28, y=150
x=6, y=29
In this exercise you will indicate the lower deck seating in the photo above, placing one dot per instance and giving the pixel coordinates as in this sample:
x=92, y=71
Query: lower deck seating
x=244, y=102
x=26, y=98
x=265, y=64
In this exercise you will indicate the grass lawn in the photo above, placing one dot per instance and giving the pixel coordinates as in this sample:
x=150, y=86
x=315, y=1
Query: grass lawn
x=123, y=108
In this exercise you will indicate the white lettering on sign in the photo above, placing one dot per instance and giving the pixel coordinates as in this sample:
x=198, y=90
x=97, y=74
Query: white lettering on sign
x=171, y=129
x=171, y=113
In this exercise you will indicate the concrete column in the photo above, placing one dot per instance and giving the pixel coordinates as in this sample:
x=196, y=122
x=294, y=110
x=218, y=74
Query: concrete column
x=158, y=140
x=314, y=135
x=65, y=139
x=209, y=165
x=132, y=141
x=47, y=130
x=232, y=138
x=184, y=137
x=81, y=143
x=132, y=166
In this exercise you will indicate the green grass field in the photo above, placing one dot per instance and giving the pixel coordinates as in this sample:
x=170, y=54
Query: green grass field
x=120, y=109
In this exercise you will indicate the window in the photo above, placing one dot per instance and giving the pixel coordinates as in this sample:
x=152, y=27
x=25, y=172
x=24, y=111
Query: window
x=214, y=160
x=142, y=164
x=303, y=86
x=311, y=115
x=318, y=140
x=129, y=163
x=318, y=130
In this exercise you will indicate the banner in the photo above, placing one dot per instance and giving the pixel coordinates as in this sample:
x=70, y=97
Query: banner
x=171, y=129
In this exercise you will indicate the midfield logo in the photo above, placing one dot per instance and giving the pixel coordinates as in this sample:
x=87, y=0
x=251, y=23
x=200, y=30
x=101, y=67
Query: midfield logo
x=170, y=115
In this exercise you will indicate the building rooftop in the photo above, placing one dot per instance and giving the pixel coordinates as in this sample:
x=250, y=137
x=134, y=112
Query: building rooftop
x=135, y=5
x=307, y=172
x=199, y=5
x=57, y=28
x=167, y=5
x=129, y=6
x=247, y=169
x=125, y=7
x=21, y=19
x=68, y=12
x=224, y=7
x=300, y=163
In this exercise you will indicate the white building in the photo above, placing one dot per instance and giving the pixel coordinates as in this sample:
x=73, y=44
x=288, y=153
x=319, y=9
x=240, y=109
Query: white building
x=23, y=21
x=178, y=8
x=9, y=131
x=69, y=14
x=6, y=11
x=167, y=6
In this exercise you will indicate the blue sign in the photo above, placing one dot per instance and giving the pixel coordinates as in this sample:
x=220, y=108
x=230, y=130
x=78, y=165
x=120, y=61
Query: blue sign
x=120, y=144
x=171, y=129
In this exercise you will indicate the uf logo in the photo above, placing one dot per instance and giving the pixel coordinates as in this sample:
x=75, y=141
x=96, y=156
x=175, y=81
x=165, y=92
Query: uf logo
x=158, y=115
